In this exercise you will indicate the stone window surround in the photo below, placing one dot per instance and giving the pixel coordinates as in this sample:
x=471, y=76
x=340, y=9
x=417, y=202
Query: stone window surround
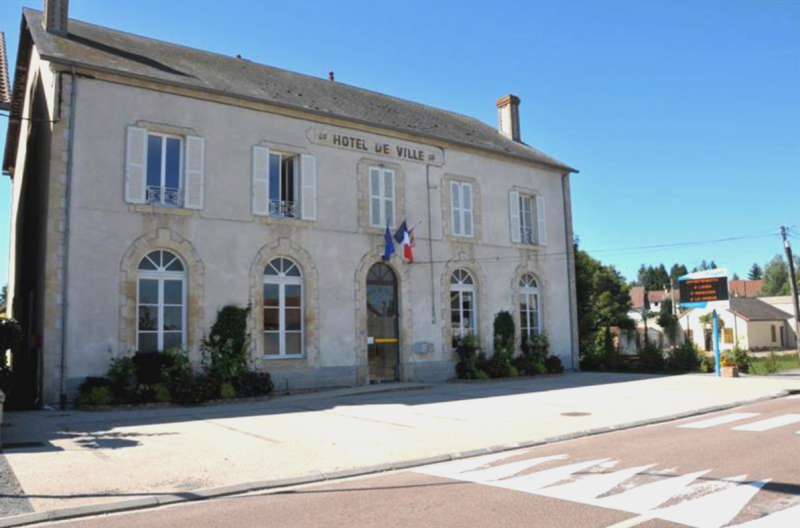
x=195, y=285
x=403, y=273
x=284, y=148
x=284, y=247
x=532, y=192
x=362, y=170
x=521, y=270
x=447, y=213
x=462, y=261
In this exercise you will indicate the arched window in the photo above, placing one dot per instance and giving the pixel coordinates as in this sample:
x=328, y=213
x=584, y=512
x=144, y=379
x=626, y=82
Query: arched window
x=283, y=308
x=529, y=310
x=462, y=305
x=161, y=302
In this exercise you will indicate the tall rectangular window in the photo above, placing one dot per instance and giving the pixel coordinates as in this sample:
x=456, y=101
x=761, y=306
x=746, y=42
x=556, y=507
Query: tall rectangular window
x=164, y=169
x=381, y=197
x=284, y=181
x=461, y=205
x=527, y=218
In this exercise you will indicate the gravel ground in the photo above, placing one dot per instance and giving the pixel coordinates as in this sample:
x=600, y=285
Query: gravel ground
x=12, y=499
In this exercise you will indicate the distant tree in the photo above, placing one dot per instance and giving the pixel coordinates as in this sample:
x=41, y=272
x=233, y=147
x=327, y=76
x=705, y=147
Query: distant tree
x=677, y=270
x=703, y=266
x=660, y=278
x=756, y=273
x=736, y=277
x=776, y=278
x=668, y=321
x=712, y=265
x=4, y=295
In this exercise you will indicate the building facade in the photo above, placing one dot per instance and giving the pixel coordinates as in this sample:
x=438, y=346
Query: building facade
x=154, y=184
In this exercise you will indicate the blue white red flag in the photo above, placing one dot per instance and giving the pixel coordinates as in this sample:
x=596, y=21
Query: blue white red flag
x=405, y=238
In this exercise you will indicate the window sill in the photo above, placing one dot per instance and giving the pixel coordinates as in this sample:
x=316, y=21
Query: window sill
x=282, y=358
x=156, y=209
x=285, y=221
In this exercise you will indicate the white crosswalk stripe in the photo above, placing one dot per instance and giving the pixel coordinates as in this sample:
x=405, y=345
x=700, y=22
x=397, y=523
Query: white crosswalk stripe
x=770, y=423
x=709, y=504
x=719, y=420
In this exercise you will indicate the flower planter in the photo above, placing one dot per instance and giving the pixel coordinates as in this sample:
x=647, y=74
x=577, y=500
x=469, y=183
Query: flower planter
x=730, y=372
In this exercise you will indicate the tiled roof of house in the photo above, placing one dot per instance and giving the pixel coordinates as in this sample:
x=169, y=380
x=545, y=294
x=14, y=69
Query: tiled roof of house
x=744, y=288
x=108, y=50
x=757, y=310
x=657, y=296
x=5, y=87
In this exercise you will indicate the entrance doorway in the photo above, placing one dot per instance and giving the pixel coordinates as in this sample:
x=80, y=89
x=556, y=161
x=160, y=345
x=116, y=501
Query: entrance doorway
x=383, y=343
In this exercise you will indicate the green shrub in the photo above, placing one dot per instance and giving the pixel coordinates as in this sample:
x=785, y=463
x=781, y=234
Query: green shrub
x=97, y=396
x=513, y=372
x=503, y=331
x=481, y=375
x=161, y=393
x=553, y=365
x=539, y=369
x=467, y=350
x=122, y=379
x=685, y=358
x=499, y=365
x=226, y=391
x=651, y=357
x=252, y=383
x=741, y=358
x=225, y=351
x=523, y=364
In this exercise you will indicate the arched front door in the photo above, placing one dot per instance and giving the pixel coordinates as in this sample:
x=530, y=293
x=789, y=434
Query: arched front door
x=383, y=344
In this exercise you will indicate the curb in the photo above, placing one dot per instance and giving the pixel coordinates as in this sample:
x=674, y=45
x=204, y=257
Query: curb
x=142, y=503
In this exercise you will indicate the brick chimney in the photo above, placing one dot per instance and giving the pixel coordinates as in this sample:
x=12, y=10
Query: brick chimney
x=55, y=16
x=508, y=116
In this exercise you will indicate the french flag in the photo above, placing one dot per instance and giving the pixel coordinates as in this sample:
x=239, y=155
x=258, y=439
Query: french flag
x=405, y=238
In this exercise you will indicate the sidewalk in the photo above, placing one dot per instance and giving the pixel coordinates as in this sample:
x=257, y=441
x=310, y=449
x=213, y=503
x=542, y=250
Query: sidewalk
x=81, y=458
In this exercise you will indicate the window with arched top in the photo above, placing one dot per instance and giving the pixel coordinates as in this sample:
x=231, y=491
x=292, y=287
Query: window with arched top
x=161, y=302
x=529, y=309
x=462, y=305
x=283, y=308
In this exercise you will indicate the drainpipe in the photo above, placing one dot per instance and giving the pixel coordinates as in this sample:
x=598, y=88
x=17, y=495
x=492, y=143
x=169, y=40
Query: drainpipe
x=65, y=267
x=430, y=242
x=570, y=267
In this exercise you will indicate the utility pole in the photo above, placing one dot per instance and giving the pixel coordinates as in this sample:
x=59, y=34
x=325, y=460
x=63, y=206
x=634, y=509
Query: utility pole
x=793, y=280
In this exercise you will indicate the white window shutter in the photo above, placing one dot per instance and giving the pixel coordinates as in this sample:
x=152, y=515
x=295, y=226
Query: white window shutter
x=194, y=175
x=541, y=224
x=388, y=197
x=136, y=165
x=455, y=207
x=513, y=208
x=308, y=181
x=375, y=199
x=466, y=205
x=260, y=181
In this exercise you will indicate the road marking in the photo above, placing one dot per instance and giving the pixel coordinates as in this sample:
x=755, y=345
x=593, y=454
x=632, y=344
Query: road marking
x=781, y=519
x=450, y=469
x=714, y=510
x=795, y=397
x=548, y=477
x=719, y=420
x=771, y=423
x=649, y=496
x=506, y=470
x=593, y=486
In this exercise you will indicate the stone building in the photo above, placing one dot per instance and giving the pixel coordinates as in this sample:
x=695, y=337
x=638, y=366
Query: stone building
x=154, y=184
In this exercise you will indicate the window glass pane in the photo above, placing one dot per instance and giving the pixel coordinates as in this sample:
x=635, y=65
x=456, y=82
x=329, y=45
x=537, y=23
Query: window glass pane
x=467, y=190
x=376, y=212
x=173, y=175
x=287, y=180
x=388, y=185
x=271, y=344
x=468, y=223
x=455, y=190
x=148, y=342
x=271, y=269
x=293, y=270
x=374, y=182
x=147, y=264
x=154, y=161
x=292, y=295
x=148, y=318
x=148, y=291
x=271, y=319
x=293, y=342
x=455, y=318
x=173, y=316
x=293, y=319
x=457, y=223
x=173, y=292
x=172, y=340
x=466, y=300
x=274, y=177
x=389, y=212
x=175, y=265
x=455, y=302
x=271, y=295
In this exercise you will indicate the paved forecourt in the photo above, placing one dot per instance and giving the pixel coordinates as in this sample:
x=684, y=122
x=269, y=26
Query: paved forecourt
x=703, y=472
x=85, y=458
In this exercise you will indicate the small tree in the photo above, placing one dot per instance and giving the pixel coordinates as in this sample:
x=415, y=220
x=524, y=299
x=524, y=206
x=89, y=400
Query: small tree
x=226, y=348
x=756, y=273
x=776, y=278
x=503, y=332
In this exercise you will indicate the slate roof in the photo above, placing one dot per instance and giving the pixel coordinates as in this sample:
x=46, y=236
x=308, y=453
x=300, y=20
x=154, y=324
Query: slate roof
x=122, y=53
x=656, y=296
x=5, y=87
x=757, y=310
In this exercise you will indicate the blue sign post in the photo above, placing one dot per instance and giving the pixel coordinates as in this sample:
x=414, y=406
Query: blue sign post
x=704, y=290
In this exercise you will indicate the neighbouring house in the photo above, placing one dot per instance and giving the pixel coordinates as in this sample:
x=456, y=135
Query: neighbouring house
x=744, y=288
x=752, y=323
x=154, y=183
x=632, y=342
x=785, y=304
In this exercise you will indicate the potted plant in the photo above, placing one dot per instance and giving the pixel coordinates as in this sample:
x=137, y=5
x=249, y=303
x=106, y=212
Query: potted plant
x=728, y=367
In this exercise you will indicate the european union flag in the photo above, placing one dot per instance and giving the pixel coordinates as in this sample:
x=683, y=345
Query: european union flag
x=388, y=250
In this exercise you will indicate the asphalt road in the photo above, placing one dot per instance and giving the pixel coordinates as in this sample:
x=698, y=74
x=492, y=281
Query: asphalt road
x=735, y=468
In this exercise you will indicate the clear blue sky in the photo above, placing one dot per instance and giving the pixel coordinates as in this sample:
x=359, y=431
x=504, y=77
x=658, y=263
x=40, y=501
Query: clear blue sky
x=682, y=116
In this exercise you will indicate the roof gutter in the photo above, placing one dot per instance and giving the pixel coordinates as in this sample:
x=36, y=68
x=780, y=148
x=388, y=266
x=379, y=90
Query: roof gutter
x=78, y=64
